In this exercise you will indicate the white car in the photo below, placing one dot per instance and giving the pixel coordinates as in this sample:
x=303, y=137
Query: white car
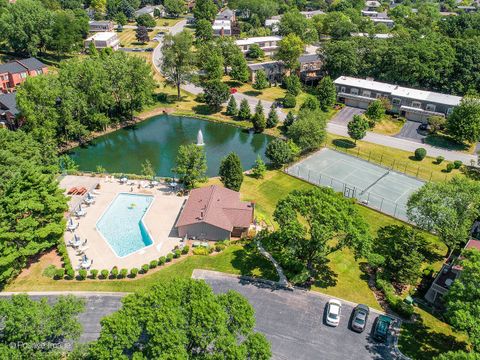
x=334, y=309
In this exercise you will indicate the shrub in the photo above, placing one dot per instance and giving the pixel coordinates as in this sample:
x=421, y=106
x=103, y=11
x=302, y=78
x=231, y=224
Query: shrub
x=123, y=273
x=114, y=272
x=145, y=268
x=82, y=274
x=133, y=272
x=289, y=101
x=457, y=164
x=420, y=154
x=440, y=159
x=220, y=247
x=450, y=167
x=153, y=264
x=59, y=273
x=177, y=253
x=201, y=250
x=396, y=303
x=162, y=260
x=169, y=257
x=94, y=273
x=70, y=272
x=62, y=251
x=185, y=250
x=104, y=273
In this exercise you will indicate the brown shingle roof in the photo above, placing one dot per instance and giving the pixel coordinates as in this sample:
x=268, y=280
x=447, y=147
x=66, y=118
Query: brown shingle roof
x=217, y=206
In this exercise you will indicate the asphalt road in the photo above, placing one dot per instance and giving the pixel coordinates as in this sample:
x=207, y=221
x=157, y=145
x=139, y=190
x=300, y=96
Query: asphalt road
x=344, y=116
x=410, y=131
x=293, y=321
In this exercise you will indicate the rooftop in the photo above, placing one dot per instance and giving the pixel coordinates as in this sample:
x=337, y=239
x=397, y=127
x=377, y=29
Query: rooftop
x=8, y=102
x=217, y=206
x=101, y=22
x=264, y=65
x=400, y=91
x=256, y=40
x=305, y=58
x=32, y=63
x=102, y=36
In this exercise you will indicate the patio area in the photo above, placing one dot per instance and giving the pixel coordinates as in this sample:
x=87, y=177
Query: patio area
x=159, y=220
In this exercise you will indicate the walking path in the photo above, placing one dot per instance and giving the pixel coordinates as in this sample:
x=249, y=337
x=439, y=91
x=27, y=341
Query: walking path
x=282, y=279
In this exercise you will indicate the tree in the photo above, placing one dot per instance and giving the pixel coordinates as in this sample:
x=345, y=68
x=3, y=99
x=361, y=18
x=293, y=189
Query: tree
x=340, y=58
x=293, y=84
x=327, y=94
x=289, y=50
x=278, y=152
x=293, y=22
x=230, y=52
x=436, y=123
x=231, y=172
x=309, y=129
x=310, y=103
x=261, y=81
x=458, y=355
x=121, y=19
x=146, y=20
x=147, y=170
x=141, y=34
x=244, y=112
x=178, y=60
x=191, y=165
x=308, y=220
x=67, y=31
x=259, y=169
x=175, y=8
x=447, y=209
x=239, y=68
x=28, y=323
x=216, y=93
x=290, y=118
x=232, y=109
x=357, y=127
x=181, y=318
x=258, y=119
x=205, y=9
x=404, y=250
x=203, y=31
x=210, y=60
x=255, y=52
x=463, y=297
x=464, y=122
x=272, y=119
x=375, y=111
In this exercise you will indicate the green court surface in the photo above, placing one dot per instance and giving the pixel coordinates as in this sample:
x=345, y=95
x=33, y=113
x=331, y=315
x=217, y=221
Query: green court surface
x=373, y=185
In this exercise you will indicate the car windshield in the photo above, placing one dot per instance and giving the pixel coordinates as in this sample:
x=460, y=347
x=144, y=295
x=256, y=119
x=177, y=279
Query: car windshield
x=360, y=321
x=333, y=316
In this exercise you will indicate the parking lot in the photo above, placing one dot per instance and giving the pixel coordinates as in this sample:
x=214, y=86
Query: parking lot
x=344, y=116
x=410, y=131
x=294, y=323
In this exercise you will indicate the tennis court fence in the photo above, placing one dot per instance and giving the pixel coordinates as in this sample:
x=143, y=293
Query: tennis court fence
x=364, y=196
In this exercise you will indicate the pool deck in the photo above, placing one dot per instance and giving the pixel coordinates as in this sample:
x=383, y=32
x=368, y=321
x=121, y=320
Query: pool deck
x=159, y=219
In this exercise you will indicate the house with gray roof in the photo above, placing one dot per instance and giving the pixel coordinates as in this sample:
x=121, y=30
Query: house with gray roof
x=413, y=104
x=15, y=72
x=273, y=69
x=8, y=110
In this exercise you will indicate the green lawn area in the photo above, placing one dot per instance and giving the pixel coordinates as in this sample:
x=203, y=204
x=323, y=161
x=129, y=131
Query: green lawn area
x=167, y=22
x=400, y=160
x=128, y=39
x=236, y=259
x=445, y=141
x=428, y=337
x=388, y=126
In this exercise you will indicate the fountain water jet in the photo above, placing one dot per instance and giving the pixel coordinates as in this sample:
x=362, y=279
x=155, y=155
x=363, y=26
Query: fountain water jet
x=200, y=138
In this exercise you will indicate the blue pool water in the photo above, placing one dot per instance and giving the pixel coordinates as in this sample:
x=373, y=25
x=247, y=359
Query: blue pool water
x=121, y=225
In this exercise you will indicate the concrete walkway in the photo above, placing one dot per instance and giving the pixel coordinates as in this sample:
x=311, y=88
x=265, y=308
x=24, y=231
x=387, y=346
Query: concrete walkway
x=282, y=279
x=404, y=144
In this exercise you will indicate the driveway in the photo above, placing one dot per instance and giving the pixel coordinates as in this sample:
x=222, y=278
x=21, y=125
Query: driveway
x=411, y=132
x=344, y=116
x=293, y=322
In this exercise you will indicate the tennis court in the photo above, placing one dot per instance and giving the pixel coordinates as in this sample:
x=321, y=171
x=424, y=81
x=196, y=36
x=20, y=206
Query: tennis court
x=373, y=185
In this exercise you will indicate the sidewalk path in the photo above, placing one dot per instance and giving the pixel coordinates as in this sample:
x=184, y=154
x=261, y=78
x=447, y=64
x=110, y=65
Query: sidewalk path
x=282, y=279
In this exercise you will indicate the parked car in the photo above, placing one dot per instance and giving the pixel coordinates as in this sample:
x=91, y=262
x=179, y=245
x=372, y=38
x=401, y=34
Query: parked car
x=334, y=309
x=423, y=127
x=382, y=327
x=149, y=49
x=360, y=317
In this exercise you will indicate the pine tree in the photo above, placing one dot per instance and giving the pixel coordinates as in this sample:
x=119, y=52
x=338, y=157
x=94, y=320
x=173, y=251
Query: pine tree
x=244, y=112
x=258, y=120
x=261, y=81
x=272, y=119
x=231, y=172
x=232, y=109
x=327, y=93
x=289, y=120
x=259, y=169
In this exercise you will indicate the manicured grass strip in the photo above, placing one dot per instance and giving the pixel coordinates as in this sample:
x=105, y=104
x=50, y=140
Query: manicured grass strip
x=236, y=259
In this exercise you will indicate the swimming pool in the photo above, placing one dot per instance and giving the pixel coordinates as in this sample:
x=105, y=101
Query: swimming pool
x=121, y=225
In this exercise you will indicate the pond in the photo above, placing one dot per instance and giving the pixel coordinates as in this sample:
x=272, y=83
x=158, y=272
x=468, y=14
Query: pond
x=157, y=139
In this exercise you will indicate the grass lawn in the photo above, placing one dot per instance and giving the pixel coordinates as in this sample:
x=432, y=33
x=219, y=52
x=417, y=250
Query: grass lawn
x=236, y=259
x=168, y=22
x=388, y=126
x=400, y=160
x=445, y=141
x=269, y=94
x=128, y=39
x=428, y=337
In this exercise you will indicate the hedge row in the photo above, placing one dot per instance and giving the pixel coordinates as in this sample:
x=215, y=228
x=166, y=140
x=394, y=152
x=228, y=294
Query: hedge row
x=396, y=303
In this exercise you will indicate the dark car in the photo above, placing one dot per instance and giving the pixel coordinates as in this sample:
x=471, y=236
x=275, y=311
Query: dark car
x=149, y=49
x=360, y=317
x=423, y=127
x=382, y=327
